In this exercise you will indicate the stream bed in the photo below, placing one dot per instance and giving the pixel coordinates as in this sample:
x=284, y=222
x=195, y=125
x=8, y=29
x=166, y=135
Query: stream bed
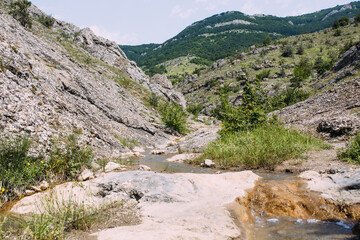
x=262, y=227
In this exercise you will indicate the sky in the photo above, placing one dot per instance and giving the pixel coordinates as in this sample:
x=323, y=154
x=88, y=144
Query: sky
x=133, y=22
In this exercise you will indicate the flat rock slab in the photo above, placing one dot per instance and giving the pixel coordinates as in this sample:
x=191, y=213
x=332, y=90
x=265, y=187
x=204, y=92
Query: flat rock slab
x=340, y=187
x=173, y=206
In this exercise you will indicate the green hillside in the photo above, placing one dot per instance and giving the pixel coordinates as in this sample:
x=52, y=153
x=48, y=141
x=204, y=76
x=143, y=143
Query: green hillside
x=224, y=34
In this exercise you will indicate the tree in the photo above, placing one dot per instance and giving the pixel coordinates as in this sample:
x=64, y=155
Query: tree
x=20, y=11
x=357, y=19
x=344, y=21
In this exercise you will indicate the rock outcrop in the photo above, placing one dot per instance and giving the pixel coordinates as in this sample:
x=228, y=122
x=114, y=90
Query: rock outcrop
x=334, y=112
x=55, y=80
x=161, y=86
x=173, y=206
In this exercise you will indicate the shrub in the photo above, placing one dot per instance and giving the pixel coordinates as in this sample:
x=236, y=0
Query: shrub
x=18, y=168
x=288, y=97
x=344, y=21
x=263, y=74
x=174, y=117
x=47, y=20
x=322, y=66
x=352, y=152
x=265, y=146
x=301, y=72
x=195, y=109
x=68, y=157
x=337, y=33
x=357, y=19
x=20, y=11
x=336, y=24
x=287, y=51
x=300, y=50
x=346, y=47
x=266, y=41
x=249, y=115
x=154, y=100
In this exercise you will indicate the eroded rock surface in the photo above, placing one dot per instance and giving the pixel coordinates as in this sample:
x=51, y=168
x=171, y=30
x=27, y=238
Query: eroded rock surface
x=173, y=206
x=54, y=80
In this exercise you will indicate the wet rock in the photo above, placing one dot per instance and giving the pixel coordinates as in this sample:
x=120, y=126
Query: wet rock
x=356, y=229
x=208, y=163
x=135, y=194
x=144, y=168
x=180, y=158
x=158, y=152
x=85, y=175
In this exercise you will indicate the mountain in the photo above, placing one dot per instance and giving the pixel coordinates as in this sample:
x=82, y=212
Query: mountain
x=320, y=53
x=56, y=77
x=225, y=34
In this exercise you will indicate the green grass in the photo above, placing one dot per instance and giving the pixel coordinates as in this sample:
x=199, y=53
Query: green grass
x=352, y=152
x=263, y=147
x=56, y=220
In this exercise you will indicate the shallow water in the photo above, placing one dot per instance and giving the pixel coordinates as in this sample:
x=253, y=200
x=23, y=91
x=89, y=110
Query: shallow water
x=264, y=228
x=158, y=163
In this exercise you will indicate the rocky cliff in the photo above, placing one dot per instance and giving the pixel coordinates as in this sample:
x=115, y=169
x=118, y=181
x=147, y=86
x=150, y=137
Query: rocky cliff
x=53, y=80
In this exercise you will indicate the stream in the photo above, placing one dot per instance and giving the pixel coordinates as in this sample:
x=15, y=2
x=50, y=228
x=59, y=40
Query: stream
x=261, y=227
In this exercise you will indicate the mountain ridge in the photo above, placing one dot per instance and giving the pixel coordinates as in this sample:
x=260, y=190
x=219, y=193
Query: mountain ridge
x=228, y=33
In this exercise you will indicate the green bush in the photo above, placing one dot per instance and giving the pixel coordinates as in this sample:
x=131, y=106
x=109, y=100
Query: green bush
x=47, y=20
x=249, y=115
x=287, y=51
x=344, y=21
x=337, y=32
x=300, y=50
x=195, y=109
x=174, y=117
x=18, y=168
x=301, y=72
x=263, y=74
x=322, y=66
x=265, y=147
x=266, y=41
x=352, y=152
x=288, y=97
x=20, y=11
x=357, y=19
x=68, y=157
x=154, y=100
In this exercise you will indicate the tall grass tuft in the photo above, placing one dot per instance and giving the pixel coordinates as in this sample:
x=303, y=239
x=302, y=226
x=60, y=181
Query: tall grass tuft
x=262, y=147
x=352, y=152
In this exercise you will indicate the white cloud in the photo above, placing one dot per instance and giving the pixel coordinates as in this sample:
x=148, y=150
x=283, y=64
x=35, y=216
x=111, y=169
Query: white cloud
x=179, y=12
x=118, y=37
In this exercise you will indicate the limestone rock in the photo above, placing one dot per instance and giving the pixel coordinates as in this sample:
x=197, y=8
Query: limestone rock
x=144, y=168
x=36, y=188
x=111, y=166
x=29, y=192
x=161, y=86
x=161, y=80
x=44, y=185
x=85, y=175
x=158, y=152
x=46, y=90
x=173, y=206
x=208, y=163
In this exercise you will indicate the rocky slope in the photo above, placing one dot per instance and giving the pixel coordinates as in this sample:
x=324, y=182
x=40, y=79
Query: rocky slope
x=53, y=80
x=334, y=112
